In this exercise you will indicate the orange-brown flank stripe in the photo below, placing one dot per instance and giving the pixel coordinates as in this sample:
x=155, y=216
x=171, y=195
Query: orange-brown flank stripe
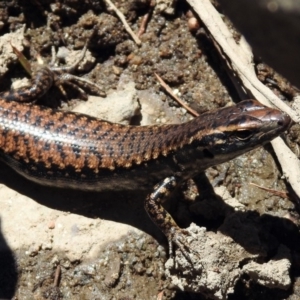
x=47, y=145
x=69, y=150
x=63, y=139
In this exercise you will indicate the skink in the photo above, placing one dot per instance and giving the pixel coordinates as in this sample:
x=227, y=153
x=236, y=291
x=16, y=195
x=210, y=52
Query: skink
x=71, y=150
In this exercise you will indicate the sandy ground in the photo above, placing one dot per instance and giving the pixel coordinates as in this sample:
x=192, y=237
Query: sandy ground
x=246, y=242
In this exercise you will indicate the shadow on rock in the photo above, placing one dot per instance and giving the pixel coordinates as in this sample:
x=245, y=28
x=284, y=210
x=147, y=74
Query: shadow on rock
x=8, y=267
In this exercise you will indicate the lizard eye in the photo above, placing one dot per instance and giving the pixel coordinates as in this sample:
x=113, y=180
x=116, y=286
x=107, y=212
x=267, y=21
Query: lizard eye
x=244, y=135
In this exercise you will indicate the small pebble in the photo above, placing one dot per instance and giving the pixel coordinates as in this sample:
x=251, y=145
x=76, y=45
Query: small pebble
x=51, y=225
x=193, y=24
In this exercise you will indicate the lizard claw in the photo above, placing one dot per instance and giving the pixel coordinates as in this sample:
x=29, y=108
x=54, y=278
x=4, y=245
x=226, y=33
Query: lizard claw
x=181, y=238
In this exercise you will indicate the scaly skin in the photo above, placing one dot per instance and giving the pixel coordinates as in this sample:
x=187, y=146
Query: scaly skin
x=70, y=150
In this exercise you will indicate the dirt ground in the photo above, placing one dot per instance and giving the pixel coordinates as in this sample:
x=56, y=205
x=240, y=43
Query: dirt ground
x=103, y=244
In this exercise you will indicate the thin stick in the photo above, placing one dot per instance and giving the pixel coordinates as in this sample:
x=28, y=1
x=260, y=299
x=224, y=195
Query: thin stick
x=274, y=192
x=57, y=276
x=146, y=18
x=239, y=59
x=123, y=20
x=169, y=90
x=160, y=295
x=23, y=60
x=238, y=56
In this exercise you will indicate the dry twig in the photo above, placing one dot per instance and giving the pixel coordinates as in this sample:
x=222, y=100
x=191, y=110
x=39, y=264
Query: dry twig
x=239, y=58
x=274, y=192
x=123, y=20
x=57, y=276
x=169, y=90
x=160, y=295
x=146, y=18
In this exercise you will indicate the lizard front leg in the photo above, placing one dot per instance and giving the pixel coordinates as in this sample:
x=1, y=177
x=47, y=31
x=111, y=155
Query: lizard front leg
x=157, y=213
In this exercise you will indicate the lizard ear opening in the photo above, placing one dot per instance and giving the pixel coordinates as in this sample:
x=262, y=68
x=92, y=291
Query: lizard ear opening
x=208, y=154
x=244, y=135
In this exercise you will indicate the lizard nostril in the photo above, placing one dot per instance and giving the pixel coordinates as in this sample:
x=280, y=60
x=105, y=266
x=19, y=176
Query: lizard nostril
x=284, y=121
x=280, y=123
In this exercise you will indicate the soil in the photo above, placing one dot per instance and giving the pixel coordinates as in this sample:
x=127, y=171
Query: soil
x=104, y=244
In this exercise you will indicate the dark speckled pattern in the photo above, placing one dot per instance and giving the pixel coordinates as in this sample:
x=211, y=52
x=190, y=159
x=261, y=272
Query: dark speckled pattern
x=59, y=148
x=70, y=150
